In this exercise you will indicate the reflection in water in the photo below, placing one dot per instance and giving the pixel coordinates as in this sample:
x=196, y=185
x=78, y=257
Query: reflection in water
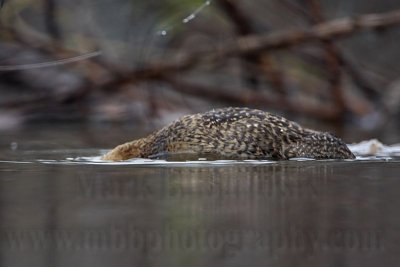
x=277, y=213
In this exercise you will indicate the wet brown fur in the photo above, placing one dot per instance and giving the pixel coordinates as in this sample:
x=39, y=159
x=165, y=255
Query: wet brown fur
x=233, y=133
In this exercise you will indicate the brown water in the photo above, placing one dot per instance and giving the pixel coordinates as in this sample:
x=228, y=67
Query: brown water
x=60, y=210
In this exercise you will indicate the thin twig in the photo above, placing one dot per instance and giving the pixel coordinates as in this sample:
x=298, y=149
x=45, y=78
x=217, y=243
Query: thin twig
x=51, y=19
x=52, y=63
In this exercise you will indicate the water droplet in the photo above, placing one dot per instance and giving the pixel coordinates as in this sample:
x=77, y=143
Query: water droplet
x=189, y=18
x=162, y=32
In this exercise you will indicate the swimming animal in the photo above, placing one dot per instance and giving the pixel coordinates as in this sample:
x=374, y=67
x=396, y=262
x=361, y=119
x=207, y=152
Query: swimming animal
x=233, y=133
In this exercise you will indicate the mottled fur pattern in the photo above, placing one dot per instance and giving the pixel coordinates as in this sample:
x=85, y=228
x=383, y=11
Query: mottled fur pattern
x=233, y=133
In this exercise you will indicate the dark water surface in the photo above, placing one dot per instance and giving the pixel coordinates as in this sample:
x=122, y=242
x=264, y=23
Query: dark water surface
x=59, y=210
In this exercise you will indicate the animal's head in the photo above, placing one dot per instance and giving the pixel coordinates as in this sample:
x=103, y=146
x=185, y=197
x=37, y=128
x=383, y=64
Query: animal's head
x=125, y=151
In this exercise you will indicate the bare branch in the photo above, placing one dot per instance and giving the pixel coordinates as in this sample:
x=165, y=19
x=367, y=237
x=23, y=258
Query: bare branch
x=332, y=58
x=322, y=111
x=244, y=27
x=338, y=28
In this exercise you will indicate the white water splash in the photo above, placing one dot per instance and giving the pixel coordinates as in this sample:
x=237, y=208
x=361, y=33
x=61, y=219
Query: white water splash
x=374, y=148
x=146, y=162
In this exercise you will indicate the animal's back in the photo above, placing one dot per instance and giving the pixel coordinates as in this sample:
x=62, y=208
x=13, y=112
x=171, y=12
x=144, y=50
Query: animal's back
x=233, y=133
x=229, y=133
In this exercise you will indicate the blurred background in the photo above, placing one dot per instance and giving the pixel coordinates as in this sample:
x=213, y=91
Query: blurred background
x=128, y=66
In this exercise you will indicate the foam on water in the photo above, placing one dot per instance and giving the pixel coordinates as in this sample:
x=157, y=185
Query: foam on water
x=138, y=161
x=374, y=148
